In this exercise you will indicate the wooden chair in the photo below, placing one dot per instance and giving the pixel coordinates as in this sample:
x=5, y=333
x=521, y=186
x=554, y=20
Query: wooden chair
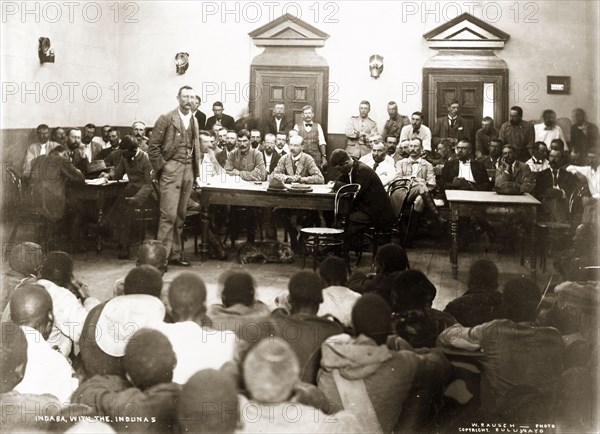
x=549, y=233
x=315, y=238
x=24, y=212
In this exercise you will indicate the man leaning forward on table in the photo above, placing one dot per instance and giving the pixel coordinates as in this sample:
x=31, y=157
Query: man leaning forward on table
x=295, y=166
x=174, y=152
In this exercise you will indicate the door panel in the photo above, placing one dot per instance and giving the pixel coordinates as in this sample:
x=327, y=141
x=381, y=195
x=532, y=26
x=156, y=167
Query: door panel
x=470, y=97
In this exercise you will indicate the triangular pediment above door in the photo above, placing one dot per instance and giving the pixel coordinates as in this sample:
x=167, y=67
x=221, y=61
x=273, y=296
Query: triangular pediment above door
x=466, y=32
x=288, y=30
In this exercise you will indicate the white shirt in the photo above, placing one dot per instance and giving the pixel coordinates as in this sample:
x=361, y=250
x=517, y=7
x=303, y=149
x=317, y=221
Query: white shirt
x=537, y=166
x=338, y=301
x=267, y=161
x=87, y=151
x=591, y=175
x=319, y=129
x=278, y=123
x=285, y=149
x=424, y=134
x=385, y=170
x=47, y=371
x=197, y=347
x=44, y=148
x=546, y=136
x=185, y=118
x=464, y=171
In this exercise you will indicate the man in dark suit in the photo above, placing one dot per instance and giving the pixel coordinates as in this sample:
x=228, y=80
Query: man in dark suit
x=220, y=118
x=464, y=173
x=372, y=204
x=174, y=152
x=278, y=122
x=513, y=176
x=200, y=117
x=451, y=126
x=268, y=150
x=553, y=187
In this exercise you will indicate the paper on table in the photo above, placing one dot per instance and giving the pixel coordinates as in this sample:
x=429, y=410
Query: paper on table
x=98, y=181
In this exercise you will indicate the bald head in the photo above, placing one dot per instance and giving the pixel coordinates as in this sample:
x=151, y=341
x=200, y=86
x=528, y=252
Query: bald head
x=187, y=296
x=153, y=253
x=31, y=306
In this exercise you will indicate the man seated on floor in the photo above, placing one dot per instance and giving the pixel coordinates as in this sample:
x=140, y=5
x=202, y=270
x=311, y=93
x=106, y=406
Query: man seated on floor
x=210, y=348
x=379, y=160
x=145, y=392
x=249, y=165
x=420, y=183
x=372, y=204
x=514, y=354
x=482, y=302
x=513, y=176
x=137, y=194
x=25, y=260
x=553, y=187
x=539, y=159
x=42, y=147
x=47, y=371
x=465, y=173
x=295, y=166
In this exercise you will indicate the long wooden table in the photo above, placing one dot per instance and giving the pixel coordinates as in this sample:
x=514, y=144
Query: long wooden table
x=98, y=194
x=244, y=193
x=487, y=204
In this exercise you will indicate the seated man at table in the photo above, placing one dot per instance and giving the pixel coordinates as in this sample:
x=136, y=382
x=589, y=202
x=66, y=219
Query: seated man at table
x=372, y=204
x=249, y=165
x=136, y=165
x=515, y=355
x=465, y=173
x=553, y=187
x=539, y=159
x=513, y=176
x=295, y=166
x=420, y=183
x=379, y=160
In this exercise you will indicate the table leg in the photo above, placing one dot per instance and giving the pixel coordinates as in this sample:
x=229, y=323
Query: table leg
x=205, y=221
x=532, y=252
x=454, y=240
x=100, y=205
x=315, y=252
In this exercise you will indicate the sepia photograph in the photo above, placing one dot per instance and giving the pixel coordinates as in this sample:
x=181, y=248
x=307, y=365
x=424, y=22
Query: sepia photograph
x=301, y=216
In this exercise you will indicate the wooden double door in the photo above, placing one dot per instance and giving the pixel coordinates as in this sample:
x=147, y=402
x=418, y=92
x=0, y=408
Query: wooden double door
x=294, y=87
x=470, y=98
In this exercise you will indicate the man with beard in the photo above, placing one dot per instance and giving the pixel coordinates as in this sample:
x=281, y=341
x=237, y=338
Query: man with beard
x=464, y=173
x=584, y=135
x=538, y=160
x=268, y=150
x=42, y=147
x=103, y=141
x=255, y=138
x=548, y=131
x=393, y=126
x=313, y=137
x=59, y=136
x=452, y=125
x=114, y=141
x=220, y=118
x=358, y=129
x=379, y=160
x=391, y=143
x=87, y=151
x=483, y=136
x=422, y=183
x=200, y=117
x=513, y=176
x=491, y=161
x=553, y=187
x=138, y=129
x=220, y=147
x=417, y=130
x=518, y=133
x=136, y=165
x=278, y=122
x=174, y=152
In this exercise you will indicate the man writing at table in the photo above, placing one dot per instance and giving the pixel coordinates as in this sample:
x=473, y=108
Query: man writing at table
x=513, y=176
x=136, y=165
x=296, y=166
x=174, y=151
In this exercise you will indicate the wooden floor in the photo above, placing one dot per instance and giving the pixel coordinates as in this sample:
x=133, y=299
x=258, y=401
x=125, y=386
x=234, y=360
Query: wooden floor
x=428, y=255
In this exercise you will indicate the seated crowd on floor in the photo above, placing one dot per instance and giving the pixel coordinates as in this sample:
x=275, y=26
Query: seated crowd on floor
x=338, y=353
x=404, y=165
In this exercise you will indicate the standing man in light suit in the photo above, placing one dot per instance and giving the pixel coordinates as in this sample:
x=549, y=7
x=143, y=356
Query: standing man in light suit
x=358, y=129
x=174, y=152
x=312, y=134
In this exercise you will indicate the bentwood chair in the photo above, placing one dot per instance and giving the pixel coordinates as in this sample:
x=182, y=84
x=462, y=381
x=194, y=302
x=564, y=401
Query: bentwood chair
x=318, y=239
